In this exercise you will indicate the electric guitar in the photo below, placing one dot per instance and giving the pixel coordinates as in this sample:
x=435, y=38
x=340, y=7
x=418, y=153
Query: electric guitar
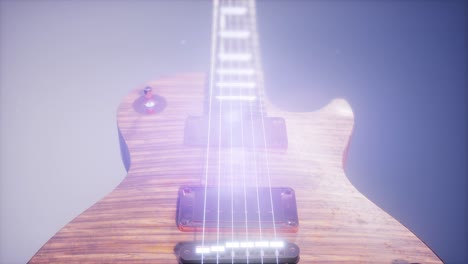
x=217, y=174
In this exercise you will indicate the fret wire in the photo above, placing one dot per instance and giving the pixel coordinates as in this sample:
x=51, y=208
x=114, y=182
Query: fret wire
x=232, y=20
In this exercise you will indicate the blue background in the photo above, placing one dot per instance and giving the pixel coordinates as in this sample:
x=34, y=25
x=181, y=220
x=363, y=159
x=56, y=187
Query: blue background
x=402, y=67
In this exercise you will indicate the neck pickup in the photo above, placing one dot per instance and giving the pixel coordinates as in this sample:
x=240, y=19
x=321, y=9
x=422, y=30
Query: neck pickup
x=226, y=131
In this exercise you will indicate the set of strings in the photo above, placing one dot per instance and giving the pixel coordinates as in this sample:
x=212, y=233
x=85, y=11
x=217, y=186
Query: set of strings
x=235, y=87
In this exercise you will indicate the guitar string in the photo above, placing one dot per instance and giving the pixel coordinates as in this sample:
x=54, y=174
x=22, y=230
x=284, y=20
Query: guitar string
x=249, y=24
x=221, y=50
x=224, y=48
x=241, y=47
x=231, y=171
x=234, y=47
x=210, y=102
x=214, y=39
x=248, y=47
x=230, y=47
x=238, y=49
x=221, y=163
x=259, y=79
x=219, y=79
x=254, y=133
x=261, y=106
x=245, y=47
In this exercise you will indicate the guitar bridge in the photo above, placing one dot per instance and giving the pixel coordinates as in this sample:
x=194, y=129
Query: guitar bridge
x=267, y=252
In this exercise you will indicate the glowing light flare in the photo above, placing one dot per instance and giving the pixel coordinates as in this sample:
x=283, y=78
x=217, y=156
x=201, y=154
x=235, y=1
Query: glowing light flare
x=202, y=250
x=248, y=85
x=236, y=71
x=236, y=245
x=261, y=244
x=234, y=10
x=236, y=97
x=217, y=248
x=234, y=34
x=235, y=56
x=232, y=245
x=276, y=244
x=150, y=104
x=247, y=244
x=342, y=108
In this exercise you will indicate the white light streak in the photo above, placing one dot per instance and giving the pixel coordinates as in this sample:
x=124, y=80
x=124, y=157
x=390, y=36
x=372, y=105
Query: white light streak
x=248, y=85
x=234, y=10
x=236, y=98
x=235, y=56
x=234, y=71
x=247, y=244
x=150, y=104
x=232, y=244
x=276, y=244
x=202, y=250
x=234, y=34
x=262, y=244
x=217, y=248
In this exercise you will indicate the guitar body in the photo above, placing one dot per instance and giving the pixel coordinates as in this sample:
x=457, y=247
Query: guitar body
x=136, y=223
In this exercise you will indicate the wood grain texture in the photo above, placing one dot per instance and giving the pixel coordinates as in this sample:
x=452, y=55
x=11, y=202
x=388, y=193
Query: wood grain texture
x=135, y=223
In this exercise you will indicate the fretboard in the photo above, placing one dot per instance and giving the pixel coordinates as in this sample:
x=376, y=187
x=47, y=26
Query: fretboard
x=236, y=75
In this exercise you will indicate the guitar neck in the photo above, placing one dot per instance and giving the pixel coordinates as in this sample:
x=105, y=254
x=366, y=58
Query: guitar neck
x=236, y=73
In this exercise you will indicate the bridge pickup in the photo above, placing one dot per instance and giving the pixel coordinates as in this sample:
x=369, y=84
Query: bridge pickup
x=266, y=132
x=211, y=209
x=274, y=252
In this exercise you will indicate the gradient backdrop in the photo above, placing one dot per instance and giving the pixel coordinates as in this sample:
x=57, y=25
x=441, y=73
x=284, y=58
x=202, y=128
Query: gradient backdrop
x=65, y=66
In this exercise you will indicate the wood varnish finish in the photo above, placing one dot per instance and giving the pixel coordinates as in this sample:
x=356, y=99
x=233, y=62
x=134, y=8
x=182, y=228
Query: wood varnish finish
x=135, y=223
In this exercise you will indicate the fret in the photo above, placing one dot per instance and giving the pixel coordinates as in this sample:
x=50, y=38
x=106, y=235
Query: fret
x=233, y=10
x=236, y=69
x=235, y=56
x=234, y=34
x=248, y=85
x=236, y=97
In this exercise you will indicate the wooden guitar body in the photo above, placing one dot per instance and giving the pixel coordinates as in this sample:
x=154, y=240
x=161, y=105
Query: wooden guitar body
x=136, y=223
